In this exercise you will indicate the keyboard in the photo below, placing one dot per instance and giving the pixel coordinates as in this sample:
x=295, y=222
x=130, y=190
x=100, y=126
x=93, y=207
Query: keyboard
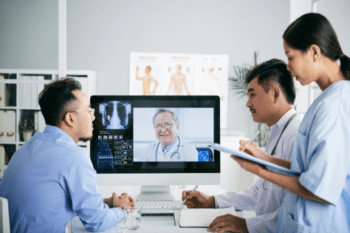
x=159, y=204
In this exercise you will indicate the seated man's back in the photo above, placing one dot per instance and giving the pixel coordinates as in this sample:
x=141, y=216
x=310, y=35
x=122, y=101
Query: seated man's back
x=42, y=182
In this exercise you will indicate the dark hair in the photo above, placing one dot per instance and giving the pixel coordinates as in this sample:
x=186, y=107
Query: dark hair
x=55, y=97
x=313, y=28
x=271, y=72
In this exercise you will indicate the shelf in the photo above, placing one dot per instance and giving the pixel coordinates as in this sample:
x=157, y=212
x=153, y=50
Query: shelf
x=19, y=108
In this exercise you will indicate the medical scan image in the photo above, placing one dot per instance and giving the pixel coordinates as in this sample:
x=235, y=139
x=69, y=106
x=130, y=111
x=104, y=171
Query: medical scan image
x=115, y=114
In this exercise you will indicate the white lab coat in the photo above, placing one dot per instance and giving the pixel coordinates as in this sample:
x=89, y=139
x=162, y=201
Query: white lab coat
x=187, y=152
x=264, y=197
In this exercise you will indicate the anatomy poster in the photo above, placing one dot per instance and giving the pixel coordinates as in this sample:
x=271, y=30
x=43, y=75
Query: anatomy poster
x=212, y=79
x=145, y=73
x=180, y=74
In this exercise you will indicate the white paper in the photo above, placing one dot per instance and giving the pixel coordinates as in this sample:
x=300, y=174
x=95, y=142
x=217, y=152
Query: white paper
x=202, y=217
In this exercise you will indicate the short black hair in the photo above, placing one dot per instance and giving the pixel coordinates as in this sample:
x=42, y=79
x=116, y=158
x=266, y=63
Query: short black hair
x=55, y=98
x=271, y=72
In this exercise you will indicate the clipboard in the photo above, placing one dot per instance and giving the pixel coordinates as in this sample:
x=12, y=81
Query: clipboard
x=270, y=166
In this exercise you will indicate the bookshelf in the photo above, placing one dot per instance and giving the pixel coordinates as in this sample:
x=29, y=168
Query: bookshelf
x=20, y=115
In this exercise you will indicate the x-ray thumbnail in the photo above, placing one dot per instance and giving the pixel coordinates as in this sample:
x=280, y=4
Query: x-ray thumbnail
x=115, y=114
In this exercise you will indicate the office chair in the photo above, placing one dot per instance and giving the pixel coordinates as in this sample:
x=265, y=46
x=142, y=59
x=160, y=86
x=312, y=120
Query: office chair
x=4, y=216
x=205, y=154
x=69, y=227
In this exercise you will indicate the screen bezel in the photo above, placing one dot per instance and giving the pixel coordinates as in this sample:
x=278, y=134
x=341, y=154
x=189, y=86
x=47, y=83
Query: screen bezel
x=161, y=167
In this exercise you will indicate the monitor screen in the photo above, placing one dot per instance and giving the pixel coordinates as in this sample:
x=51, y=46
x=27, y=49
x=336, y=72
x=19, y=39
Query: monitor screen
x=155, y=134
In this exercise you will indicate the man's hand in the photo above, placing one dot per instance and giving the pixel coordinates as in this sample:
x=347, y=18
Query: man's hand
x=198, y=200
x=229, y=223
x=124, y=199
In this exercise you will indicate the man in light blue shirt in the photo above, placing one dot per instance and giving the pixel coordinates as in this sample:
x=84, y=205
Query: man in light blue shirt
x=50, y=179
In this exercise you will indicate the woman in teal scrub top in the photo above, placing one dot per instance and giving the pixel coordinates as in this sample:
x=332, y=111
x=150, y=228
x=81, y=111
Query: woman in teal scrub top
x=318, y=200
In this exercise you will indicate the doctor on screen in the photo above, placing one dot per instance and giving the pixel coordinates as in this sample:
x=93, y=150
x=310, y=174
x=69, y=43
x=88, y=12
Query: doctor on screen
x=169, y=146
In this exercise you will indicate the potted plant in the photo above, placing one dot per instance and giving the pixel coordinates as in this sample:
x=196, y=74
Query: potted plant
x=237, y=83
x=26, y=128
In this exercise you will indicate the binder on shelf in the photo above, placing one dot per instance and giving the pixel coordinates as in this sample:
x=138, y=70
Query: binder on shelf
x=25, y=94
x=40, y=87
x=20, y=92
x=34, y=93
x=10, y=125
x=2, y=155
x=2, y=125
x=2, y=91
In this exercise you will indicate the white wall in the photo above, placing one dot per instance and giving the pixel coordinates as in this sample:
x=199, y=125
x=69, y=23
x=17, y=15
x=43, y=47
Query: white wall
x=101, y=35
x=338, y=13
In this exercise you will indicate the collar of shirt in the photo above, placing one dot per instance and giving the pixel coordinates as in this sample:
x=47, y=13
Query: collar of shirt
x=168, y=147
x=54, y=130
x=276, y=129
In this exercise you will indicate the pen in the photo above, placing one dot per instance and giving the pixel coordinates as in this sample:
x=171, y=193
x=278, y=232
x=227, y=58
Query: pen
x=256, y=134
x=194, y=189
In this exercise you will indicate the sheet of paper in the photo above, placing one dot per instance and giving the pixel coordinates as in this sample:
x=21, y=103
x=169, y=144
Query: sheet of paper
x=202, y=217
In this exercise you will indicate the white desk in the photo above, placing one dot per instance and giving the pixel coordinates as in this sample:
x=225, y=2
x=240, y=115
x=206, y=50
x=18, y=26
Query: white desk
x=77, y=226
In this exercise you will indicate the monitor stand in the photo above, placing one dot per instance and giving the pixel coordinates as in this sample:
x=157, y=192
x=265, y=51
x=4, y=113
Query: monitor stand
x=155, y=193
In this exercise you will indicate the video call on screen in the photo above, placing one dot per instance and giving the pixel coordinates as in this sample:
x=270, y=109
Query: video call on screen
x=125, y=134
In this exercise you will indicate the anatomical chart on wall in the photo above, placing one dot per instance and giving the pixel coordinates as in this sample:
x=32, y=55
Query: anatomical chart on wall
x=180, y=74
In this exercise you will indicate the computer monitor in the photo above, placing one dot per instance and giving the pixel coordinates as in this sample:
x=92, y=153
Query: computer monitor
x=131, y=132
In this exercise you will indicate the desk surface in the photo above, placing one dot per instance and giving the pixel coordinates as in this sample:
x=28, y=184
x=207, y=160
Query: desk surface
x=77, y=226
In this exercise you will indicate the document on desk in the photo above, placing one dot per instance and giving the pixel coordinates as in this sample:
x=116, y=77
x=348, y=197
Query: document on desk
x=270, y=166
x=199, y=218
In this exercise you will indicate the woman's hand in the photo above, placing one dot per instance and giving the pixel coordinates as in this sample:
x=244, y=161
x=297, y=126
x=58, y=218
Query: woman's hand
x=253, y=149
x=247, y=165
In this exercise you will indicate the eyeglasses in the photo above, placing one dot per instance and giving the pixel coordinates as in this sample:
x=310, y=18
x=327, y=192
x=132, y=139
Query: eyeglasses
x=91, y=110
x=159, y=127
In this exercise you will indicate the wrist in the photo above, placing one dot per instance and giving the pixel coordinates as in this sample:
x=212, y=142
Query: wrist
x=211, y=202
x=121, y=207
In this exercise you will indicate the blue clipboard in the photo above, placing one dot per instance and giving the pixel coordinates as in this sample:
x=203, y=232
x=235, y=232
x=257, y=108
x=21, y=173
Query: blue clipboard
x=270, y=166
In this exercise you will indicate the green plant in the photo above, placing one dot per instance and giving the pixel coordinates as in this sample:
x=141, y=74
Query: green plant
x=237, y=83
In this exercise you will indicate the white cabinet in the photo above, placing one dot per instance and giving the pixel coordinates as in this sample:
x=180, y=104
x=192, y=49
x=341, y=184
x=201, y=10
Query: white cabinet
x=20, y=115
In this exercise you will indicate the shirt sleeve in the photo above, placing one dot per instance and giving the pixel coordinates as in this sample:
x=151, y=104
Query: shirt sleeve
x=327, y=161
x=244, y=200
x=79, y=181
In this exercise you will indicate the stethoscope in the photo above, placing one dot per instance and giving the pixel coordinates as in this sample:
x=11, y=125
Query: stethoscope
x=274, y=149
x=175, y=156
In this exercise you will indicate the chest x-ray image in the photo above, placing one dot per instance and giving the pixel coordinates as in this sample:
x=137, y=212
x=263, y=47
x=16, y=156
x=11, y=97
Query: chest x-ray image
x=115, y=114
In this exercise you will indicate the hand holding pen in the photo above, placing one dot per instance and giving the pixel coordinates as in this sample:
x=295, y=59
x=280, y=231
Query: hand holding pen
x=193, y=199
x=242, y=142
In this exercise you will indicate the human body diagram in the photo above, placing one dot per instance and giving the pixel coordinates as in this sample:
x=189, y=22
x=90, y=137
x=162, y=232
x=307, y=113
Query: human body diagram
x=147, y=81
x=177, y=82
x=211, y=84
